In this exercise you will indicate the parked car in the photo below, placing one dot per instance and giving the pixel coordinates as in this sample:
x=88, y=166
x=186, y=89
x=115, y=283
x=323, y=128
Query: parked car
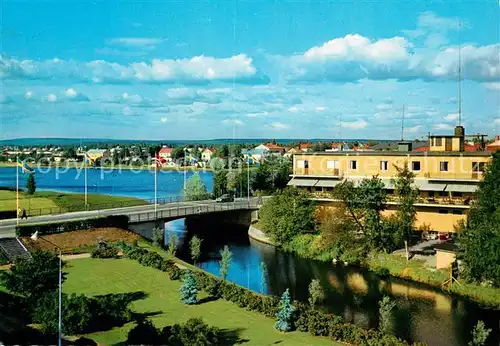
x=224, y=198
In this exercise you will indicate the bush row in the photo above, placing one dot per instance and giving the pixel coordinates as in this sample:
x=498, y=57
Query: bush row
x=316, y=322
x=119, y=221
x=111, y=252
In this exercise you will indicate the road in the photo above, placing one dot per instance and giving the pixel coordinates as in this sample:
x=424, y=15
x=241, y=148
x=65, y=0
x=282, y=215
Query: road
x=7, y=227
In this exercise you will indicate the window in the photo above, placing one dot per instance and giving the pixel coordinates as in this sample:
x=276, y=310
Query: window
x=384, y=165
x=332, y=164
x=443, y=211
x=443, y=166
x=439, y=142
x=353, y=164
x=443, y=194
x=415, y=166
x=456, y=194
x=457, y=212
x=302, y=164
x=478, y=167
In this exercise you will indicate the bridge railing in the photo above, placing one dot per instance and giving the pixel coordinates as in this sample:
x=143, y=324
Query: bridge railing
x=200, y=209
x=101, y=206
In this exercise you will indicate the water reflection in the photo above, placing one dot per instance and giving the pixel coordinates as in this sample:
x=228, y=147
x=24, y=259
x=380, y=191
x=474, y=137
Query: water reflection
x=423, y=313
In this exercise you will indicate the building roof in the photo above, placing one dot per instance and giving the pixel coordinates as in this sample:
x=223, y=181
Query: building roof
x=398, y=153
x=470, y=148
x=495, y=145
x=96, y=151
x=305, y=145
x=272, y=146
x=393, y=145
x=166, y=150
x=295, y=150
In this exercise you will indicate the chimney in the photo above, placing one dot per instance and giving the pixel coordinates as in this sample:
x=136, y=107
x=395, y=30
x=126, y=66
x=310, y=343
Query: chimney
x=460, y=132
x=497, y=138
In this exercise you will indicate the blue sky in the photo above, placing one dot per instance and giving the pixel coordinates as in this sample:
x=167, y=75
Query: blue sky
x=283, y=69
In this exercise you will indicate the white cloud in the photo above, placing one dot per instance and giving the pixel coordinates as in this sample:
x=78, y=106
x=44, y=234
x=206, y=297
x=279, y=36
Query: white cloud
x=128, y=111
x=355, y=57
x=232, y=122
x=492, y=86
x=321, y=108
x=163, y=119
x=72, y=95
x=28, y=94
x=414, y=129
x=293, y=109
x=70, y=92
x=279, y=126
x=355, y=125
x=430, y=21
x=443, y=127
x=198, y=69
x=257, y=114
x=497, y=121
x=189, y=96
x=51, y=98
x=383, y=107
x=135, y=42
x=132, y=98
x=451, y=117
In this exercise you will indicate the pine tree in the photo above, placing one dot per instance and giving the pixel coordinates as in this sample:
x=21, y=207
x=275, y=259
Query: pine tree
x=31, y=184
x=172, y=243
x=385, y=313
x=316, y=293
x=263, y=277
x=189, y=289
x=479, y=334
x=285, y=315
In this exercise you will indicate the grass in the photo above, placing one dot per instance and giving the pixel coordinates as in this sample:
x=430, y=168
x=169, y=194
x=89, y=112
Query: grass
x=95, y=276
x=45, y=202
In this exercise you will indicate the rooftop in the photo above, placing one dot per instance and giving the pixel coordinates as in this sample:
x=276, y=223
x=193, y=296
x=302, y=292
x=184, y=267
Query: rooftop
x=397, y=153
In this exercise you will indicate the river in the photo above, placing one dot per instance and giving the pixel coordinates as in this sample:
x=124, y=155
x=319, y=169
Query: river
x=423, y=313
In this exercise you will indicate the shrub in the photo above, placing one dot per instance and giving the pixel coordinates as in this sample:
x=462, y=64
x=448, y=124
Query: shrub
x=194, y=332
x=104, y=253
x=317, y=322
x=151, y=259
x=189, y=291
x=144, y=333
x=316, y=293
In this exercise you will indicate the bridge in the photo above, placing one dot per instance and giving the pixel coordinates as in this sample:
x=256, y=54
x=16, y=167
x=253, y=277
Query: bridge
x=139, y=214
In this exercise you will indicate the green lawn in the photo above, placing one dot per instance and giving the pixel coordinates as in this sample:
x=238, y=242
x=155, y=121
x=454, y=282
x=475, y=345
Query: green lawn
x=46, y=200
x=94, y=277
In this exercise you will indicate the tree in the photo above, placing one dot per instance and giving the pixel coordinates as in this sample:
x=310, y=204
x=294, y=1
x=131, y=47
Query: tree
x=263, y=277
x=316, y=293
x=70, y=153
x=407, y=195
x=225, y=262
x=31, y=184
x=195, y=189
x=285, y=314
x=195, y=248
x=261, y=179
x=158, y=235
x=172, y=243
x=222, y=151
x=144, y=333
x=33, y=277
x=219, y=182
x=177, y=153
x=217, y=163
x=232, y=180
x=286, y=214
x=385, y=314
x=189, y=289
x=480, y=236
x=479, y=334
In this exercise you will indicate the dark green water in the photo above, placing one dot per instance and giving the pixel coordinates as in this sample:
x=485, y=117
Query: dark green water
x=422, y=314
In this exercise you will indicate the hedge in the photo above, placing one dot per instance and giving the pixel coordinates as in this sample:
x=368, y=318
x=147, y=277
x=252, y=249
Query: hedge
x=119, y=221
x=316, y=322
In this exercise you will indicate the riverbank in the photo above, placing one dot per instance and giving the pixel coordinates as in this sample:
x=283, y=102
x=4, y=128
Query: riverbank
x=395, y=265
x=51, y=202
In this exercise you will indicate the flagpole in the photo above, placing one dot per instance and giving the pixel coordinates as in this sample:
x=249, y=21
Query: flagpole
x=85, y=175
x=156, y=183
x=17, y=190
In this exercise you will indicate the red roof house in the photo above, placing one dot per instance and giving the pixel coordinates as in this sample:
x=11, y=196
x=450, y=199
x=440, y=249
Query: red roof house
x=492, y=147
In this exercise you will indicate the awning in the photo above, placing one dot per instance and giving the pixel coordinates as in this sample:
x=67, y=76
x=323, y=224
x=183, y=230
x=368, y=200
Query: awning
x=461, y=188
x=327, y=183
x=426, y=186
x=302, y=182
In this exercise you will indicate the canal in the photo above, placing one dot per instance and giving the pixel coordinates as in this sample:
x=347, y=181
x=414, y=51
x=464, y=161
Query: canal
x=423, y=313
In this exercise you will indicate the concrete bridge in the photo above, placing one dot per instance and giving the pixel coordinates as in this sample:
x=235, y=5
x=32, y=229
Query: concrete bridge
x=141, y=217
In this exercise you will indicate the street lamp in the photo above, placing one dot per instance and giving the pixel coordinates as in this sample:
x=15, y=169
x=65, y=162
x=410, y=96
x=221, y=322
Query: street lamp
x=35, y=237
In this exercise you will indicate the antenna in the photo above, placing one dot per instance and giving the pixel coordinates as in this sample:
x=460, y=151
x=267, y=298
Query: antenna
x=459, y=77
x=403, y=124
x=340, y=132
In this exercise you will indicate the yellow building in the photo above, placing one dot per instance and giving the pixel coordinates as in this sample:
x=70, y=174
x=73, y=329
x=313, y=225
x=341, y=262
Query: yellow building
x=447, y=179
x=95, y=154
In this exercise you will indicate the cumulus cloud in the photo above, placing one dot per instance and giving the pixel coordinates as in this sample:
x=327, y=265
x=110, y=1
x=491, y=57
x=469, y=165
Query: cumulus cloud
x=163, y=119
x=492, y=86
x=232, y=122
x=413, y=129
x=443, y=127
x=320, y=108
x=199, y=69
x=451, y=117
x=293, y=109
x=355, y=57
x=185, y=96
x=28, y=94
x=279, y=126
x=257, y=114
x=354, y=125
x=128, y=111
x=72, y=95
x=383, y=107
x=51, y=98
x=496, y=121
